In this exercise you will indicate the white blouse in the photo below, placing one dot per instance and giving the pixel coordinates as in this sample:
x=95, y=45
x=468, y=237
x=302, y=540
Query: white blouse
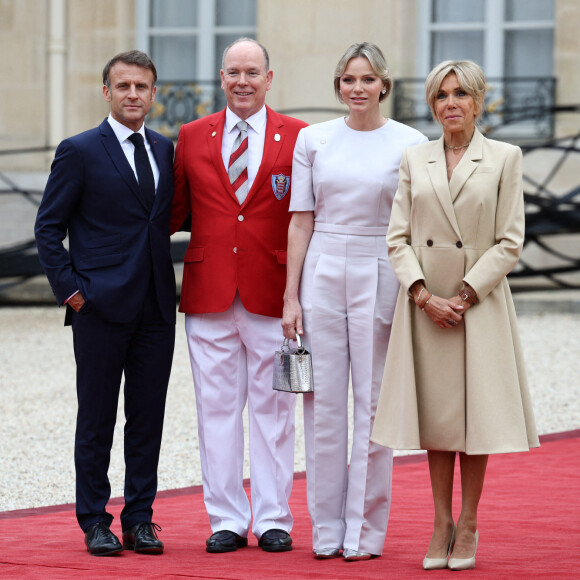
x=349, y=177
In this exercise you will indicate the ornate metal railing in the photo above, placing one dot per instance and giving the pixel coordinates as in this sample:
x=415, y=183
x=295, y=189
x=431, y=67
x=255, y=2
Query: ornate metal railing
x=523, y=108
x=180, y=102
x=552, y=200
x=551, y=256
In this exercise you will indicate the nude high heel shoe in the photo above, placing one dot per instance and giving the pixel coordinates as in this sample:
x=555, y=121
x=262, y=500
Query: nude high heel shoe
x=439, y=563
x=464, y=563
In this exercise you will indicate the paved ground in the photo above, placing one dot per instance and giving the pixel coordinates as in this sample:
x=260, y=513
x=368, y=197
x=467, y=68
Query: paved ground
x=38, y=399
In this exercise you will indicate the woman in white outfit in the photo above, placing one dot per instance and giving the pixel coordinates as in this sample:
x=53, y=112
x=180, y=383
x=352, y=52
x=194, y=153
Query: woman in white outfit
x=340, y=296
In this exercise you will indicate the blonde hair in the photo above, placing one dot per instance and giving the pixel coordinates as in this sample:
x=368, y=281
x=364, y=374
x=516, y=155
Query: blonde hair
x=469, y=75
x=376, y=59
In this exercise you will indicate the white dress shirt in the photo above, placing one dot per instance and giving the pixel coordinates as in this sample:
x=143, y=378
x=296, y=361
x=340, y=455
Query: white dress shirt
x=123, y=133
x=256, y=135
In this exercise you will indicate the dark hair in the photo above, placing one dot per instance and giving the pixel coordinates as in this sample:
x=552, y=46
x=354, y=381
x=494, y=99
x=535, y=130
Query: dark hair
x=129, y=57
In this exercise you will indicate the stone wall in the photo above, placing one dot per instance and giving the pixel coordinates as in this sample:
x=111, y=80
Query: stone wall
x=306, y=39
x=93, y=33
x=567, y=64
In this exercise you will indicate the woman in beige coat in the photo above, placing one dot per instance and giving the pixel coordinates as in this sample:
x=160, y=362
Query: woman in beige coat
x=454, y=378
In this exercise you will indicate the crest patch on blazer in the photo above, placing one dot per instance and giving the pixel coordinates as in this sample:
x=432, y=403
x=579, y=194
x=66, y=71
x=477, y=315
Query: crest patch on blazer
x=280, y=185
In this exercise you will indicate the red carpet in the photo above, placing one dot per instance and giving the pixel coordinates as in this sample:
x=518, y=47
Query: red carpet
x=529, y=527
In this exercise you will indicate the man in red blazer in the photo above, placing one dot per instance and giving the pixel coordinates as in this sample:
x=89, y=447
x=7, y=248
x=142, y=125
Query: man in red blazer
x=235, y=180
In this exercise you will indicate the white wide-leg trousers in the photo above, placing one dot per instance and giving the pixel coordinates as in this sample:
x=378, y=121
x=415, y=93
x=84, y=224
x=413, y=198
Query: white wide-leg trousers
x=231, y=355
x=348, y=295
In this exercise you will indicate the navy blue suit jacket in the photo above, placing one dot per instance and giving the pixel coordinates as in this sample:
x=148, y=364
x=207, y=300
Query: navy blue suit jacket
x=115, y=245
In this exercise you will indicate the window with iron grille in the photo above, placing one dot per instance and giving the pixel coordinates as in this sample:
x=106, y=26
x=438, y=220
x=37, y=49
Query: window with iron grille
x=186, y=40
x=513, y=41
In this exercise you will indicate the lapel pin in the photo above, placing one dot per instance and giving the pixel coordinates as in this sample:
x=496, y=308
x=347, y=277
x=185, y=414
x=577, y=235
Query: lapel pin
x=214, y=134
x=277, y=137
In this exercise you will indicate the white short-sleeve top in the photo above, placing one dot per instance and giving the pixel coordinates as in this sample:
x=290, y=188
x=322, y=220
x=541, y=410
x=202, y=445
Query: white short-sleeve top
x=349, y=177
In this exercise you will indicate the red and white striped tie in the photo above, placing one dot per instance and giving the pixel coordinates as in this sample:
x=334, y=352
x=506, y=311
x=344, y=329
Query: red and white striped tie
x=238, y=166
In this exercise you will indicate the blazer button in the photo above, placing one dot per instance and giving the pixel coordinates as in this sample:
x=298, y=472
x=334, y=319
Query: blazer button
x=235, y=250
x=459, y=245
x=240, y=218
x=429, y=243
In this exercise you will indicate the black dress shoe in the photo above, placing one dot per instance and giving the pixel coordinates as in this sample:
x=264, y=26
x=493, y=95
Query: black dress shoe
x=143, y=539
x=225, y=541
x=101, y=541
x=275, y=541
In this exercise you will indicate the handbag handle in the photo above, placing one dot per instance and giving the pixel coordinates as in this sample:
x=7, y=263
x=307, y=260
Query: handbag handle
x=300, y=349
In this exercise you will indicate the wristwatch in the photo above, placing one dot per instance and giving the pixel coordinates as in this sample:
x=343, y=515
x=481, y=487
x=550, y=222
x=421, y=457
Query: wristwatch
x=466, y=296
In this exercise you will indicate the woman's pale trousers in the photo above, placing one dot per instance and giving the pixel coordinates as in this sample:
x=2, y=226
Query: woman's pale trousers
x=348, y=295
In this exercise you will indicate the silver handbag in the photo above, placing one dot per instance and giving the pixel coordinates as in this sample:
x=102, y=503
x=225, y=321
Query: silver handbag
x=293, y=369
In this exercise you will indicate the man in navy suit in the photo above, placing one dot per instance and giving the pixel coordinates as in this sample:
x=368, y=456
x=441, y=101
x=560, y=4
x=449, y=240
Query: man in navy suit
x=110, y=190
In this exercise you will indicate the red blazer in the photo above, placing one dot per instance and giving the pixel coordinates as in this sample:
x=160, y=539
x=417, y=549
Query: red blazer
x=233, y=247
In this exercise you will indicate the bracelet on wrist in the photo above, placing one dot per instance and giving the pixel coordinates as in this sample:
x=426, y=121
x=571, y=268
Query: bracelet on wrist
x=467, y=296
x=419, y=297
x=421, y=305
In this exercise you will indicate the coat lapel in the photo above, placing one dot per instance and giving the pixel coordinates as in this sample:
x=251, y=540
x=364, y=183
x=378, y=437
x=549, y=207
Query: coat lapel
x=214, y=136
x=115, y=152
x=273, y=141
x=154, y=144
x=466, y=166
x=437, y=169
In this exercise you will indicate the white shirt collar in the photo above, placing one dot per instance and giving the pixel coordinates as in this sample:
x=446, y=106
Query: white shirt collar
x=257, y=121
x=122, y=132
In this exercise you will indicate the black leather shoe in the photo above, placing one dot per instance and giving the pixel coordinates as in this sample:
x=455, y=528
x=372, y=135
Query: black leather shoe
x=275, y=541
x=224, y=541
x=101, y=541
x=143, y=539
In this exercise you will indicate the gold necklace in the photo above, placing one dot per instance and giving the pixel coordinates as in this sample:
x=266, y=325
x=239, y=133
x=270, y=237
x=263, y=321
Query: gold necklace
x=458, y=148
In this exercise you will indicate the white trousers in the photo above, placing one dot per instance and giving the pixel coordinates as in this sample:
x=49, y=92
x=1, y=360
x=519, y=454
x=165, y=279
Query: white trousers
x=348, y=295
x=231, y=355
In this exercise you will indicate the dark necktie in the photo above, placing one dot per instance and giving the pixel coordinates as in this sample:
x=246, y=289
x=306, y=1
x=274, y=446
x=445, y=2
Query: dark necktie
x=144, y=171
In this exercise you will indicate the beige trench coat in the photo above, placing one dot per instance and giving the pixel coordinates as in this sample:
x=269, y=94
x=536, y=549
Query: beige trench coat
x=460, y=389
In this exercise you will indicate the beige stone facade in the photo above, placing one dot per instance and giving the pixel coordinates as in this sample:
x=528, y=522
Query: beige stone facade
x=567, y=63
x=50, y=74
x=307, y=38
x=23, y=76
x=54, y=51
